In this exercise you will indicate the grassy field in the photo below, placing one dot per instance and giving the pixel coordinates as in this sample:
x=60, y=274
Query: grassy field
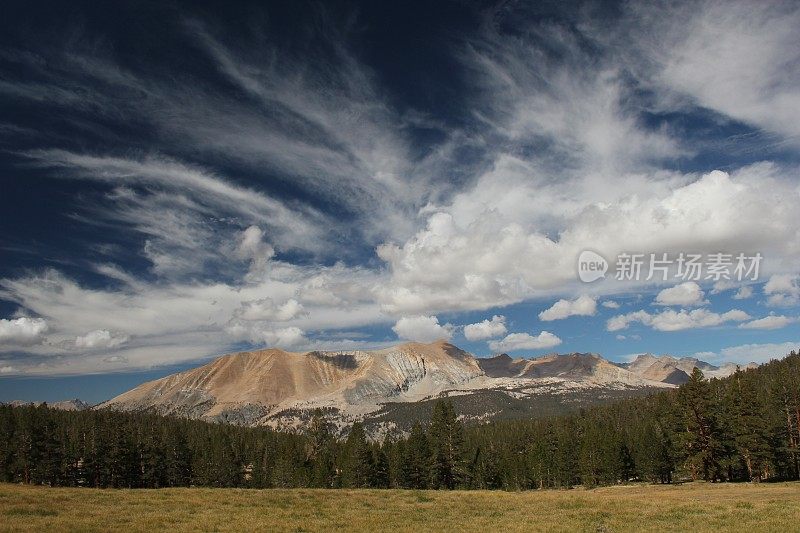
x=695, y=506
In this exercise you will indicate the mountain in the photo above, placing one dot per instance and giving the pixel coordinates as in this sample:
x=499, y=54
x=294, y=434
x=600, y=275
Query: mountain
x=386, y=388
x=65, y=405
x=676, y=371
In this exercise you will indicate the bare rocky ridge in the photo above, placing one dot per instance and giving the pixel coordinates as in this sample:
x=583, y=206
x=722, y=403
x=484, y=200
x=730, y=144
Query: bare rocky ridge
x=676, y=371
x=280, y=389
x=65, y=405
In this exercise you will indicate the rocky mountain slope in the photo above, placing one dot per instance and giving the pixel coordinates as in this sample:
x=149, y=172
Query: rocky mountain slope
x=65, y=405
x=281, y=389
x=675, y=371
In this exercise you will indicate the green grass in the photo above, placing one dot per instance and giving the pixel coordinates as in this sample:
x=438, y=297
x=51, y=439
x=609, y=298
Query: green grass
x=694, y=506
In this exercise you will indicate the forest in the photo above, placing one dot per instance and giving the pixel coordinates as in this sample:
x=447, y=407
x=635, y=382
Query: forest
x=745, y=427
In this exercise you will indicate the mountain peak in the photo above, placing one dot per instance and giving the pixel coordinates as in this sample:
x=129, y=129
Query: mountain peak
x=274, y=387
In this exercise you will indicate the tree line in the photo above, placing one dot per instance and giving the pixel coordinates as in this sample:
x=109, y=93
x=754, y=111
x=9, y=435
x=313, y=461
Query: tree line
x=745, y=427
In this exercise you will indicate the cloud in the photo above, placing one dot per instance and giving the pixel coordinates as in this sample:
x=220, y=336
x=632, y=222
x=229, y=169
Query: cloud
x=743, y=293
x=266, y=309
x=292, y=228
x=251, y=247
x=581, y=306
x=486, y=329
x=525, y=341
x=671, y=320
x=610, y=304
x=769, y=322
x=746, y=353
x=422, y=329
x=298, y=198
x=485, y=250
x=173, y=322
x=100, y=338
x=686, y=294
x=22, y=331
x=281, y=337
x=783, y=290
x=701, y=51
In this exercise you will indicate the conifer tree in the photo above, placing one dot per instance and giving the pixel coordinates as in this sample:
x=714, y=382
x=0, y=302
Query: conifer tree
x=357, y=465
x=416, y=460
x=701, y=436
x=446, y=436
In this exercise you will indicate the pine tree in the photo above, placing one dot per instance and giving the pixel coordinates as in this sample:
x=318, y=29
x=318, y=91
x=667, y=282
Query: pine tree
x=701, y=438
x=416, y=460
x=357, y=465
x=446, y=435
x=320, y=452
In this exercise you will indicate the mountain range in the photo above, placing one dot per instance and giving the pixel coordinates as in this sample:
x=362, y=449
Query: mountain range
x=389, y=388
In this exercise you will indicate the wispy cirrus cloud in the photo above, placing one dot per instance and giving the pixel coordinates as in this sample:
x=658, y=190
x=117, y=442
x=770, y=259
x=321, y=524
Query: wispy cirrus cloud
x=290, y=192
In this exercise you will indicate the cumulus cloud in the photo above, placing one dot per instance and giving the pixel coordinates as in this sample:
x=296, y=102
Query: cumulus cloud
x=582, y=306
x=22, y=331
x=610, y=304
x=688, y=294
x=475, y=253
x=282, y=337
x=422, y=329
x=251, y=246
x=525, y=341
x=671, y=320
x=743, y=293
x=264, y=334
x=783, y=290
x=769, y=322
x=100, y=338
x=486, y=329
x=267, y=309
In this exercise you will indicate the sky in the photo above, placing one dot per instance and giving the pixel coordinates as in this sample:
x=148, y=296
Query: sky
x=184, y=180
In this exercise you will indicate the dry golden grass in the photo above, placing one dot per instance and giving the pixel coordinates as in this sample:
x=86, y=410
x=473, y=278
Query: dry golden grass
x=695, y=507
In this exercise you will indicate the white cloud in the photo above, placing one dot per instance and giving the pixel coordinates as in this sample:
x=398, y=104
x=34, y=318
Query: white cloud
x=610, y=304
x=734, y=57
x=769, y=322
x=482, y=251
x=173, y=322
x=266, y=309
x=251, y=247
x=282, y=337
x=422, y=329
x=486, y=329
x=686, y=294
x=525, y=341
x=671, y=320
x=582, y=306
x=722, y=286
x=783, y=290
x=746, y=353
x=743, y=293
x=291, y=228
x=100, y=338
x=7, y=369
x=22, y=331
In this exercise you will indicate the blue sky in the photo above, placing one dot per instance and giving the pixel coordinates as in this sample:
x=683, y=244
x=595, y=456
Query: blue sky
x=185, y=180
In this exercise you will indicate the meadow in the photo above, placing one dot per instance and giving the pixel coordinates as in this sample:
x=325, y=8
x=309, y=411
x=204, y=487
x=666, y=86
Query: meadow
x=695, y=506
